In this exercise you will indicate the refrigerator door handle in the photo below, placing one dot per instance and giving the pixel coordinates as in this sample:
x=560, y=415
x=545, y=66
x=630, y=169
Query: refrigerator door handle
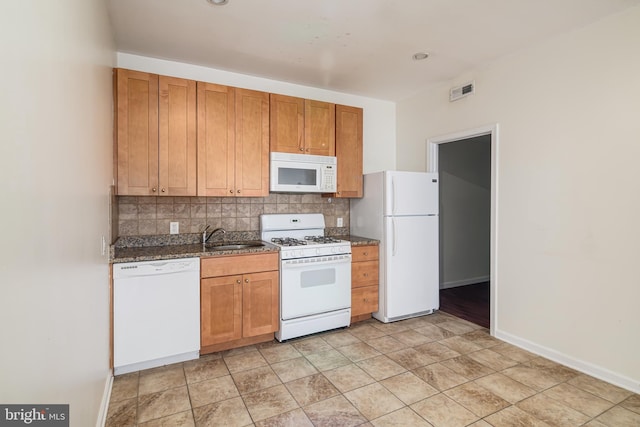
x=393, y=195
x=393, y=230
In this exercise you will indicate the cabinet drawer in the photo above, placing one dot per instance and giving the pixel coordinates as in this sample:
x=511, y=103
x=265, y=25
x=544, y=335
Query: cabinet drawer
x=238, y=264
x=364, y=300
x=364, y=274
x=364, y=253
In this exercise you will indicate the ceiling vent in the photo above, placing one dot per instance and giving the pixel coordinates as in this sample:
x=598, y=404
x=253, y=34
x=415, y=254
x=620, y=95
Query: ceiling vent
x=461, y=91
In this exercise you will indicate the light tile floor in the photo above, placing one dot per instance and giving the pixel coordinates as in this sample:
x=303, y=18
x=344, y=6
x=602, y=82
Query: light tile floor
x=435, y=370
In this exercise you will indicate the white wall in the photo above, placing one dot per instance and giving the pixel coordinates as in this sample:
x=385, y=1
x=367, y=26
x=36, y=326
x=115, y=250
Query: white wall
x=568, y=200
x=464, y=168
x=379, y=126
x=56, y=168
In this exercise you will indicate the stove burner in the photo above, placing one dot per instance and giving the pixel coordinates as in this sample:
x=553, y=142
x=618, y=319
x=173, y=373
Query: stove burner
x=288, y=241
x=322, y=239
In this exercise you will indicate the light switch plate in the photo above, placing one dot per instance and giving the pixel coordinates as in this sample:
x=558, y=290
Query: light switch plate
x=174, y=227
x=340, y=223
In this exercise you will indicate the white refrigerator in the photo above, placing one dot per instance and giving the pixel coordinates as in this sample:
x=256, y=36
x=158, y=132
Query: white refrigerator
x=401, y=210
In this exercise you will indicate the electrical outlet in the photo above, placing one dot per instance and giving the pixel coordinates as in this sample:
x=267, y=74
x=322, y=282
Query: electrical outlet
x=340, y=223
x=174, y=228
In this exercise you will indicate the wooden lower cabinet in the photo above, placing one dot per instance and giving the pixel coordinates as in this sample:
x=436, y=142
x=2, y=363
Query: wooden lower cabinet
x=239, y=300
x=364, y=281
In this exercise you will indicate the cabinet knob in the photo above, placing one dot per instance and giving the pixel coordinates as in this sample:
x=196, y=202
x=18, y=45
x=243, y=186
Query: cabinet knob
x=365, y=253
x=307, y=149
x=154, y=189
x=301, y=149
x=231, y=191
x=246, y=280
x=366, y=274
x=238, y=191
x=238, y=281
x=162, y=190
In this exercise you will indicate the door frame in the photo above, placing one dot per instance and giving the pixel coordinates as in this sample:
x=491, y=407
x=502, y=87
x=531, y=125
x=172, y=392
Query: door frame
x=432, y=145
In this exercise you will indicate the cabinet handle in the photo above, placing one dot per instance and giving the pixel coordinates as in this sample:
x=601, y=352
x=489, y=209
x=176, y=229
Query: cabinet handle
x=246, y=280
x=238, y=281
x=154, y=189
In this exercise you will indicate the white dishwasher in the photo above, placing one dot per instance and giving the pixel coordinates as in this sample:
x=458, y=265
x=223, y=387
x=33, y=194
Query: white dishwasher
x=156, y=313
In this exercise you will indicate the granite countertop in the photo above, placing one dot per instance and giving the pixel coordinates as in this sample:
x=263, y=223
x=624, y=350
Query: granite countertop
x=153, y=248
x=153, y=253
x=360, y=241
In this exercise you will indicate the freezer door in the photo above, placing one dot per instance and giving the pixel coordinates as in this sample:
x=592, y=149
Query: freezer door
x=411, y=270
x=410, y=193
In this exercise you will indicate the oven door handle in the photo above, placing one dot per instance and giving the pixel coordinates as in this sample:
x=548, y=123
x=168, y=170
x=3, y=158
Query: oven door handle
x=290, y=264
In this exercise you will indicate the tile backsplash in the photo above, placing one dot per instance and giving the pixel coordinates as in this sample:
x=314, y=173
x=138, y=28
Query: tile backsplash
x=148, y=215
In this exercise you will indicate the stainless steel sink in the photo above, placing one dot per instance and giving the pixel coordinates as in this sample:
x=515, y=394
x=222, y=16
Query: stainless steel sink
x=229, y=246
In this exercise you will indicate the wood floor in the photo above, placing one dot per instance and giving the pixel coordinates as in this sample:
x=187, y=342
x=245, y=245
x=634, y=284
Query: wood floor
x=470, y=302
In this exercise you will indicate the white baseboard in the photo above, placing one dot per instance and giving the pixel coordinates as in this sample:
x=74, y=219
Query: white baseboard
x=104, y=405
x=464, y=282
x=577, y=364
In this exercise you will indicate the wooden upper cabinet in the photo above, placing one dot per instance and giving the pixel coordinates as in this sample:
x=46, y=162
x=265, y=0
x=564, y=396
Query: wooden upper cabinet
x=136, y=123
x=156, y=135
x=287, y=124
x=233, y=141
x=252, y=143
x=349, y=151
x=302, y=126
x=177, y=136
x=216, y=140
x=319, y=128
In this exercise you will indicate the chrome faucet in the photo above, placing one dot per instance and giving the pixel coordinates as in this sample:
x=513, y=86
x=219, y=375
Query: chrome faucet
x=206, y=238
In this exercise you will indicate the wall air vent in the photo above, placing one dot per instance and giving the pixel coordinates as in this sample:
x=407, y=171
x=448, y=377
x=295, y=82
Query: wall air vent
x=461, y=91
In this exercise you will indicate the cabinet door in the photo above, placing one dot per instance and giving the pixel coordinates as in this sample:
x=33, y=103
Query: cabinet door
x=216, y=140
x=365, y=253
x=349, y=151
x=220, y=309
x=136, y=125
x=252, y=143
x=260, y=303
x=364, y=300
x=177, y=137
x=364, y=273
x=287, y=124
x=319, y=128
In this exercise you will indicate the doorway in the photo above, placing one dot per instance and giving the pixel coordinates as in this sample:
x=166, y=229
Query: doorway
x=466, y=164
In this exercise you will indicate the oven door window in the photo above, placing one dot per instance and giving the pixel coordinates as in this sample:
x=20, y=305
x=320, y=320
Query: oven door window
x=308, y=289
x=320, y=277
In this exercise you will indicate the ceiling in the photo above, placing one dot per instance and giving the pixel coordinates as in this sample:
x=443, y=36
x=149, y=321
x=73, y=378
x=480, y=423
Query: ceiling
x=361, y=47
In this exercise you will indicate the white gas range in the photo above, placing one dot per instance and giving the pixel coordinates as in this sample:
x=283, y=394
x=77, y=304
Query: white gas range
x=315, y=274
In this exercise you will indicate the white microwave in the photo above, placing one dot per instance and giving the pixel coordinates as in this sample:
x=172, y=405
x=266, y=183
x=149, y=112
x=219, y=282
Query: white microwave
x=302, y=173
